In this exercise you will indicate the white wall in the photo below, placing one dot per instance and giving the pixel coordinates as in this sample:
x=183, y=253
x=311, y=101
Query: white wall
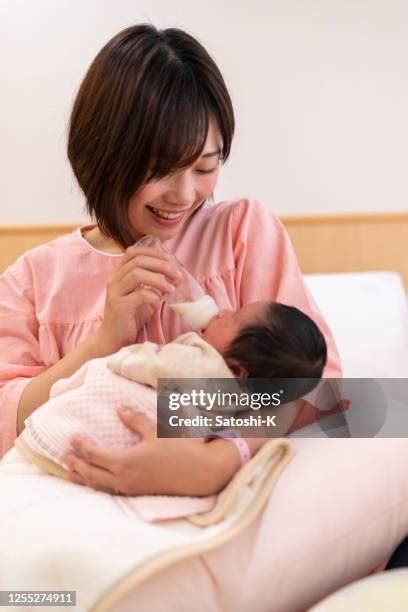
x=320, y=89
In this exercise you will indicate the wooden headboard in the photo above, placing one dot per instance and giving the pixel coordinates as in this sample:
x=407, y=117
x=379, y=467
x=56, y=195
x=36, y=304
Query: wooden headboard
x=351, y=243
x=332, y=243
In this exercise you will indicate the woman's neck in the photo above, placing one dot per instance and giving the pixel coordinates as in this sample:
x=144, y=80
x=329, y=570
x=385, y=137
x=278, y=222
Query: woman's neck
x=101, y=242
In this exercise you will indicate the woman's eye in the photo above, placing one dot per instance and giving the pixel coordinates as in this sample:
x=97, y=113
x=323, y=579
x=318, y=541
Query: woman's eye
x=207, y=171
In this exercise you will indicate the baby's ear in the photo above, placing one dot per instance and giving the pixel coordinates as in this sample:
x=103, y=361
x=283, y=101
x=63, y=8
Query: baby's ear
x=237, y=369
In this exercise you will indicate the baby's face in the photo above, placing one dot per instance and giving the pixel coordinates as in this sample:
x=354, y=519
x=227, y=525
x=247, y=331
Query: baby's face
x=222, y=330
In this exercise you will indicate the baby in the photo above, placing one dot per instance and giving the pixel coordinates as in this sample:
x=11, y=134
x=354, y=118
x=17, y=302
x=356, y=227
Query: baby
x=262, y=339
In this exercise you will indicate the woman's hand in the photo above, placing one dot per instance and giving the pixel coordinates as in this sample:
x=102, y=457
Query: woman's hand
x=133, y=292
x=154, y=466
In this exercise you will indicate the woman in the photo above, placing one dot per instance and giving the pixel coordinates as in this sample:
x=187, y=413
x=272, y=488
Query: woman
x=150, y=126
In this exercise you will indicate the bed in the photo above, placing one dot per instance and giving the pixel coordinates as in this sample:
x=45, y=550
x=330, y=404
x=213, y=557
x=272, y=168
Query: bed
x=371, y=331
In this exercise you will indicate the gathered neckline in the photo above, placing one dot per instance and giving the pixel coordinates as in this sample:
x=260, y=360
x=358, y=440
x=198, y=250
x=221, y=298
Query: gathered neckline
x=90, y=246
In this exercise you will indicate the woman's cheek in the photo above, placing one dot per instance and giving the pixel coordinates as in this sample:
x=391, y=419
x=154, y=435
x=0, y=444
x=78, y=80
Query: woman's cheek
x=214, y=179
x=209, y=182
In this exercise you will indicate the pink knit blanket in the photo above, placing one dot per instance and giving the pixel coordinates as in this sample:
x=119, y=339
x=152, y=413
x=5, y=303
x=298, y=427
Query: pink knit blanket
x=86, y=403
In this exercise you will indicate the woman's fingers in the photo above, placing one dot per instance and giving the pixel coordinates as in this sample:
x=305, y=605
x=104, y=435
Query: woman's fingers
x=152, y=262
x=139, y=423
x=102, y=468
x=89, y=475
x=153, y=272
x=152, y=467
x=106, y=458
x=148, y=298
x=137, y=277
x=134, y=250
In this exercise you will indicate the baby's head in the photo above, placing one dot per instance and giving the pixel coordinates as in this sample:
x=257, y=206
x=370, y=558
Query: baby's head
x=268, y=340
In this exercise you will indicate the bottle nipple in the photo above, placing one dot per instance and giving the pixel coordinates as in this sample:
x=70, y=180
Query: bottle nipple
x=196, y=314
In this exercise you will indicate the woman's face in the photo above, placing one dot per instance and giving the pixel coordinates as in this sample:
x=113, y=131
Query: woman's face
x=162, y=207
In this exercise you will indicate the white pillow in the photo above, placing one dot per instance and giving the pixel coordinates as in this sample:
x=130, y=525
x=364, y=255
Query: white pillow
x=338, y=510
x=368, y=315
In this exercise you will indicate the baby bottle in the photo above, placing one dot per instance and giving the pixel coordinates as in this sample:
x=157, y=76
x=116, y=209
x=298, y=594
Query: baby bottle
x=188, y=299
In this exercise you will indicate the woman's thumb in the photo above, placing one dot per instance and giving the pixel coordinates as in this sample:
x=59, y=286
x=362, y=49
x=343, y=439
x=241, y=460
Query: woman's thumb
x=138, y=423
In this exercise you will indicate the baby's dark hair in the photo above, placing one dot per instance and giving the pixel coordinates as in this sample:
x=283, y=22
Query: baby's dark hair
x=287, y=344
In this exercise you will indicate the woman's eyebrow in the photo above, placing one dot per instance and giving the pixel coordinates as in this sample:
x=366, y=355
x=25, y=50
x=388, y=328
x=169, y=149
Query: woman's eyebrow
x=217, y=152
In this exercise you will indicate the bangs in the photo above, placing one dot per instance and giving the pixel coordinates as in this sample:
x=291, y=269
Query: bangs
x=177, y=123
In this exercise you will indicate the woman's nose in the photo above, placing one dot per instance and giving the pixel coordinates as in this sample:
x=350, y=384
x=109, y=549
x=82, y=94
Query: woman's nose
x=182, y=191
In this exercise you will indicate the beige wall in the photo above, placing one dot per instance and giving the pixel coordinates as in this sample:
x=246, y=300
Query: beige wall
x=319, y=88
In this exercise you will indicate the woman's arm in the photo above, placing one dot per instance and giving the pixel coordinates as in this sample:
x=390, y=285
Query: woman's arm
x=124, y=296
x=37, y=391
x=166, y=466
x=20, y=354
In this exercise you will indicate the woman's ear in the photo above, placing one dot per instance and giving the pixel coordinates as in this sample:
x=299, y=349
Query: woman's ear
x=238, y=370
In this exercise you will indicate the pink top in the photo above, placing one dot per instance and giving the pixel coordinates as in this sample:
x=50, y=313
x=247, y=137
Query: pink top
x=53, y=297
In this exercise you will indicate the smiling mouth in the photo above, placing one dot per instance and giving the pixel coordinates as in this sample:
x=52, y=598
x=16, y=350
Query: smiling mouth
x=171, y=216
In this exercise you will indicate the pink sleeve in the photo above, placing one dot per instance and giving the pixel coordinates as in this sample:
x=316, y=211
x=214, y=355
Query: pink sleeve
x=20, y=358
x=267, y=269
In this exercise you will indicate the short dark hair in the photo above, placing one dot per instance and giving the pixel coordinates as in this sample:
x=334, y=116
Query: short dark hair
x=141, y=112
x=287, y=344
